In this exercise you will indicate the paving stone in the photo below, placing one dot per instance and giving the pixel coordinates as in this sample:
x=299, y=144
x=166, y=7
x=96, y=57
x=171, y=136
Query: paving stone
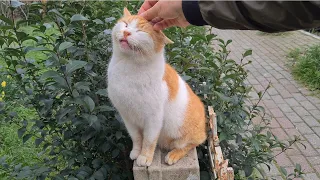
x=300, y=111
x=303, y=128
x=310, y=176
x=285, y=123
x=300, y=159
x=313, y=139
x=274, y=123
x=307, y=105
x=285, y=94
x=276, y=112
x=314, y=160
x=316, y=130
x=294, y=132
x=285, y=108
x=299, y=97
x=311, y=121
x=283, y=160
x=278, y=99
x=293, y=150
x=272, y=91
x=292, y=102
x=315, y=113
x=314, y=99
x=273, y=169
x=293, y=117
x=292, y=89
x=307, y=149
x=278, y=86
x=270, y=104
x=317, y=168
x=279, y=133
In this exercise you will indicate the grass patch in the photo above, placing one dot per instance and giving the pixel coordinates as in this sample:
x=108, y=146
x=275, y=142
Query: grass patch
x=306, y=66
x=12, y=146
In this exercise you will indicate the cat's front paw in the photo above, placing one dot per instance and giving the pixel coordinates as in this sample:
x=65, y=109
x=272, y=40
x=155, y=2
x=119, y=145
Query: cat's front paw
x=144, y=161
x=134, y=154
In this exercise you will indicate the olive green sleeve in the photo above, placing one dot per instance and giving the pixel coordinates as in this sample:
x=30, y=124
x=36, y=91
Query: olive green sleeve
x=268, y=16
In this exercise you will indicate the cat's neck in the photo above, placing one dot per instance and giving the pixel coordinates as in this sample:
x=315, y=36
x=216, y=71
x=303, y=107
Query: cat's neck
x=139, y=58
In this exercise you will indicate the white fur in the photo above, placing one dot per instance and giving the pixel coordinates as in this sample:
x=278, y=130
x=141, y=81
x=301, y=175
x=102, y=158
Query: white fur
x=137, y=90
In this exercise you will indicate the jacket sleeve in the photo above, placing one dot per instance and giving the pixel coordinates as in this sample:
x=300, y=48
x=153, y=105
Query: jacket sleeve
x=268, y=16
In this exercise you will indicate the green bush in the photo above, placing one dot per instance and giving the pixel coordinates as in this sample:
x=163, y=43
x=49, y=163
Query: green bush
x=307, y=66
x=58, y=61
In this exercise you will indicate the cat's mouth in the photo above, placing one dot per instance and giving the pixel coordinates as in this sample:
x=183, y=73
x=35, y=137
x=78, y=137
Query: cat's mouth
x=125, y=44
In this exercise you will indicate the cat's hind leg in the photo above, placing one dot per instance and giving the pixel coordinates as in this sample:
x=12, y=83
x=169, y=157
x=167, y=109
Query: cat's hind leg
x=176, y=154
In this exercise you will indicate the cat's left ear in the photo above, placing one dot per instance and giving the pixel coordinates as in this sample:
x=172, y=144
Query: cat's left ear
x=126, y=12
x=166, y=39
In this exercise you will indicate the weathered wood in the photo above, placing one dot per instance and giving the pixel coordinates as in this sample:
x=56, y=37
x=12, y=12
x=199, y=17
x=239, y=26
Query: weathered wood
x=230, y=173
x=219, y=165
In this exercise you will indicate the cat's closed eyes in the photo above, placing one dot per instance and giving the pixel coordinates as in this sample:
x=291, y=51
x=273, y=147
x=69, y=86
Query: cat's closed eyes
x=157, y=105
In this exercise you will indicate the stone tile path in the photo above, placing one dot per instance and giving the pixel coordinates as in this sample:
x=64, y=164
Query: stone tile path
x=294, y=110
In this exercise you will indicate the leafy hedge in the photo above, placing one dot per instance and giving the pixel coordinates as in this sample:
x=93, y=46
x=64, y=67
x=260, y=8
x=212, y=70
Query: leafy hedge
x=59, y=65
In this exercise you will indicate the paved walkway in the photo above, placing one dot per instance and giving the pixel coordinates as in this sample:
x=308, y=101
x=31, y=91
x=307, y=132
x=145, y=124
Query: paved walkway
x=295, y=111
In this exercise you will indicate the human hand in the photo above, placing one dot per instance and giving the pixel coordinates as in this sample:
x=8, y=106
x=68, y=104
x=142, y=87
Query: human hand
x=164, y=13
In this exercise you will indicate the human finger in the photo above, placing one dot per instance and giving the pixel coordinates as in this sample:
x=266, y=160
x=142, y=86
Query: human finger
x=164, y=24
x=146, y=5
x=151, y=13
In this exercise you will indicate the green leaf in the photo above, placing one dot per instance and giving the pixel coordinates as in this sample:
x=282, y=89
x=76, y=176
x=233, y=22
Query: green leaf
x=223, y=97
x=248, y=170
x=38, y=141
x=97, y=163
x=74, y=65
x=102, y=92
x=6, y=20
x=283, y=171
x=89, y=103
x=247, y=53
x=98, y=175
x=65, y=45
x=21, y=35
x=298, y=167
x=98, y=21
x=87, y=135
x=82, y=86
x=26, y=138
x=115, y=153
x=21, y=131
x=118, y=134
x=94, y=122
x=78, y=17
x=104, y=108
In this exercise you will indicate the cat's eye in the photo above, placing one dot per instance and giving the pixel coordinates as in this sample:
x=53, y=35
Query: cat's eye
x=126, y=24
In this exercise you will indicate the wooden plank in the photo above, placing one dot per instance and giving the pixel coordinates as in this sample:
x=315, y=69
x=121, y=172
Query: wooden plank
x=223, y=170
x=230, y=173
x=218, y=157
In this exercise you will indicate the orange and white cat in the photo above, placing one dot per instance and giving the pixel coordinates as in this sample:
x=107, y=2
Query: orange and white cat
x=156, y=104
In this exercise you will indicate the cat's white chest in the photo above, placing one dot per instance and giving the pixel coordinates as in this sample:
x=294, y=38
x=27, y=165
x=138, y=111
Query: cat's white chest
x=136, y=90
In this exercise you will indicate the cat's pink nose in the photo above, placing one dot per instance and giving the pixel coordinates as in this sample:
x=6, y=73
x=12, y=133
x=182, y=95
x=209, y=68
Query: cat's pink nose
x=126, y=34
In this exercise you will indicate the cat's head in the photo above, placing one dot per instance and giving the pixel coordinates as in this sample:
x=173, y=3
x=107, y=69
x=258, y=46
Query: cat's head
x=135, y=35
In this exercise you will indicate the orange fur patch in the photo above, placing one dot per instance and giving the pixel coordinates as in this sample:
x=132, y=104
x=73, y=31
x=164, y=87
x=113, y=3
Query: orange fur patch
x=193, y=129
x=143, y=25
x=172, y=79
x=148, y=149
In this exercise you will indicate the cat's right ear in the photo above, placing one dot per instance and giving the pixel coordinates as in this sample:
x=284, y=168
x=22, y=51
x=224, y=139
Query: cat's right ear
x=126, y=12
